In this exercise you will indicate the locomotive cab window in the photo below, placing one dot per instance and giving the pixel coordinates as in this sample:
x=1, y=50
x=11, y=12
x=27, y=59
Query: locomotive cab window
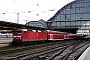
x=24, y=32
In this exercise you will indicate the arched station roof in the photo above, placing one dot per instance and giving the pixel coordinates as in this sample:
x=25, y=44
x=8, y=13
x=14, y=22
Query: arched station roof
x=60, y=10
x=71, y=16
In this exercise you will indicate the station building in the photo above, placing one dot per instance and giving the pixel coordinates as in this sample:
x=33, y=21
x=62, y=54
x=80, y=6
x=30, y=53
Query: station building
x=71, y=17
x=40, y=23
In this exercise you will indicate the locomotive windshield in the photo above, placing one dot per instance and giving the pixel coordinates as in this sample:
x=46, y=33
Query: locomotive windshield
x=17, y=32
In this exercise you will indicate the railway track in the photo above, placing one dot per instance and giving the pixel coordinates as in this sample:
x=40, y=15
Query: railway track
x=66, y=51
x=20, y=48
x=71, y=53
x=51, y=53
x=15, y=50
x=39, y=52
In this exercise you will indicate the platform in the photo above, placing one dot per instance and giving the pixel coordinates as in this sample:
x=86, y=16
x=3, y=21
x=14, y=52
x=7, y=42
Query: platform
x=85, y=55
x=5, y=40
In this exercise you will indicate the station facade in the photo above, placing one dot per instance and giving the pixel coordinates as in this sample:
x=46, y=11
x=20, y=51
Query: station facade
x=76, y=14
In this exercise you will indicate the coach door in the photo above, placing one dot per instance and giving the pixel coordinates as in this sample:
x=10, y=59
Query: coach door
x=65, y=36
x=51, y=36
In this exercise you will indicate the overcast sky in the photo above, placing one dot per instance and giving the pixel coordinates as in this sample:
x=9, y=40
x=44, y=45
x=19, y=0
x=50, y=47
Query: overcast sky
x=31, y=10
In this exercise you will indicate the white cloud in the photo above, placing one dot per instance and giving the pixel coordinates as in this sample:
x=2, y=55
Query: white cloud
x=40, y=9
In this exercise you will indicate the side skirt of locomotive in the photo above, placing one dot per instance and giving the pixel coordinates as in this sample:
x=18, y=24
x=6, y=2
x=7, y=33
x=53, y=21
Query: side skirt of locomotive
x=28, y=41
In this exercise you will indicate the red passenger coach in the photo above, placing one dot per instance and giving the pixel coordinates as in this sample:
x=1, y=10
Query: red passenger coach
x=55, y=35
x=70, y=36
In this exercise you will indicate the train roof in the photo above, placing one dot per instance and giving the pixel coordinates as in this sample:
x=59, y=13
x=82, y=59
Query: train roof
x=56, y=31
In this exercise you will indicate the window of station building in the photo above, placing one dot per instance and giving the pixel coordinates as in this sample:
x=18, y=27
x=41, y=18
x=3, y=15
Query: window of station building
x=88, y=7
x=82, y=1
x=69, y=6
x=83, y=22
x=79, y=17
x=83, y=10
x=62, y=23
x=39, y=25
x=58, y=17
x=78, y=23
x=67, y=11
x=88, y=3
x=73, y=24
x=68, y=17
x=58, y=24
x=88, y=16
x=88, y=0
x=73, y=5
x=62, y=17
x=29, y=24
x=82, y=4
x=65, y=16
x=78, y=4
x=54, y=24
x=85, y=17
x=87, y=22
x=73, y=17
x=73, y=10
x=63, y=11
x=67, y=23
x=80, y=10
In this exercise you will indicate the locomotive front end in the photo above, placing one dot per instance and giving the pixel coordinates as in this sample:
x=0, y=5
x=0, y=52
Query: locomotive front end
x=17, y=36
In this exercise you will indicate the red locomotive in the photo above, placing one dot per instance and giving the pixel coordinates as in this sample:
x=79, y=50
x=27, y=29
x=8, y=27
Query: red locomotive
x=26, y=36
